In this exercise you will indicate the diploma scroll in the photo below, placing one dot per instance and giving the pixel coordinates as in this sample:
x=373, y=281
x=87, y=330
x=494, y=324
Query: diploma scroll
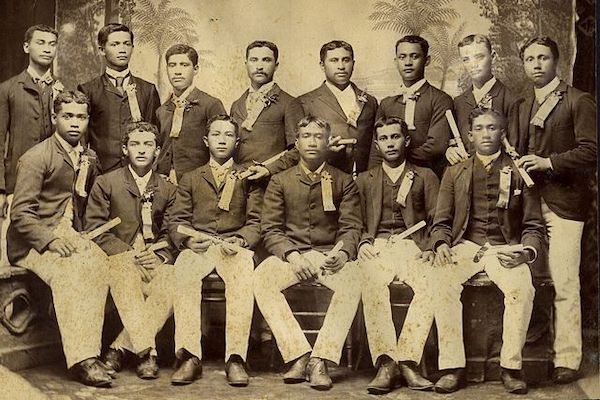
x=455, y=131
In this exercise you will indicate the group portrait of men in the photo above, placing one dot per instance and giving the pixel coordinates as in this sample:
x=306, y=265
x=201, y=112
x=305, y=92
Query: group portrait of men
x=107, y=191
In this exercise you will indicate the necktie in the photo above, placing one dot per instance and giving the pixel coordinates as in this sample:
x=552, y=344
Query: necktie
x=119, y=84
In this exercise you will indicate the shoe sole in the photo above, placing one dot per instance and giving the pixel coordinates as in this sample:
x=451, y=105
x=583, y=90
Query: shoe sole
x=291, y=381
x=423, y=388
x=378, y=391
x=238, y=384
x=518, y=391
x=148, y=377
x=321, y=388
x=444, y=391
x=180, y=383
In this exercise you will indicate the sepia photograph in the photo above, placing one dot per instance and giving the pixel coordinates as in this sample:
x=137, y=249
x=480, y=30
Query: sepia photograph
x=291, y=199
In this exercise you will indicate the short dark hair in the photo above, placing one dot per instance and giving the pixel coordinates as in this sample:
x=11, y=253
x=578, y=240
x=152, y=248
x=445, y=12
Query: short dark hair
x=142, y=126
x=111, y=28
x=386, y=121
x=226, y=118
x=414, y=39
x=264, y=43
x=312, y=119
x=479, y=111
x=335, y=44
x=182, y=49
x=40, y=27
x=476, y=38
x=541, y=40
x=70, y=96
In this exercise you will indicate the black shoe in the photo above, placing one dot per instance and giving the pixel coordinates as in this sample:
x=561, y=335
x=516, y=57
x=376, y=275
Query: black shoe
x=187, y=371
x=297, y=371
x=386, y=379
x=90, y=373
x=318, y=377
x=412, y=376
x=113, y=359
x=513, y=381
x=563, y=375
x=147, y=367
x=236, y=372
x=451, y=382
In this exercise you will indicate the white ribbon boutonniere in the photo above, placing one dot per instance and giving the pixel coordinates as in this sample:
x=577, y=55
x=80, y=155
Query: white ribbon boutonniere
x=57, y=88
x=410, y=100
x=147, y=198
x=80, y=182
x=134, y=107
x=486, y=102
x=504, y=188
x=546, y=108
x=352, y=117
x=258, y=107
x=227, y=193
x=327, y=191
x=405, y=187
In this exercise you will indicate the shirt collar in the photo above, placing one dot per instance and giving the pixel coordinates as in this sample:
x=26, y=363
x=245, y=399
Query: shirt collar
x=67, y=146
x=414, y=87
x=487, y=160
x=215, y=165
x=336, y=91
x=543, y=92
x=485, y=89
x=393, y=172
x=117, y=74
x=47, y=77
x=264, y=89
x=308, y=171
x=145, y=179
x=184, y=95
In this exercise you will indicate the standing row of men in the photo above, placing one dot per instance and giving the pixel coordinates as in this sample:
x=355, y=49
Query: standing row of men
x=307, y=209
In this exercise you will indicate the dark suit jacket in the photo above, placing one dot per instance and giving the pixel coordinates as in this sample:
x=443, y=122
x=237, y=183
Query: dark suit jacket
x=188, y=151
x=520, y=223
x=430, y=139
x=569, y=139
x=116, y=195
x=196, y=206
x=45, y=182
x=323, y=104
x=420, y=202
x=25, y=118
x=502, y=100
x=110, y=115
x=274, y=130
x=293, y=218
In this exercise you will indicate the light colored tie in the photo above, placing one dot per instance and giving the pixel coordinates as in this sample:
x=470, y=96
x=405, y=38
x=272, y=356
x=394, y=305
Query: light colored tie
x=119, y=84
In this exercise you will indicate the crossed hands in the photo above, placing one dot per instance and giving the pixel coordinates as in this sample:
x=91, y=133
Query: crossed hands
x=305, y=270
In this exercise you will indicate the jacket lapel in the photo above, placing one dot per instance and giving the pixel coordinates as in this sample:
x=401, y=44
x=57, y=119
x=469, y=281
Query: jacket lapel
x=109, y=87
x=241, y=106
x=62, y=152
x=325, y=95
x=207, y=175
x=130, y=183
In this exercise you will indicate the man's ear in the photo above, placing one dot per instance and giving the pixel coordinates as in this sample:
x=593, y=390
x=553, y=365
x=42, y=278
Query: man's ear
x=124, y=150
x=156, y=152
x=322, y=64
x=427, y=60
x=101, y=50
x=494, y=55
x=196, y=69
x=205, y=140
x=26, y=47
x=53, y=118
x=407, y=140
x=470, y=136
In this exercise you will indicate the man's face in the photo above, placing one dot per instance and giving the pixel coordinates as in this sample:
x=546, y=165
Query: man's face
x=391, y=143
x=261, y=65
x=338, y=66
x=117, y=50
x=41, y=48
x=181, y=71
x=539, y=64
x=486, y=134
x=477, y=60
x=411, y=62
x=141, y=149
x=72, y=121
x=221, y=140
x=312, y=143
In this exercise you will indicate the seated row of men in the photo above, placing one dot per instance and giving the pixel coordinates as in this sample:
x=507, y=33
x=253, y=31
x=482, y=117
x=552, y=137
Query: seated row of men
x=314, y=219
x=553, y=128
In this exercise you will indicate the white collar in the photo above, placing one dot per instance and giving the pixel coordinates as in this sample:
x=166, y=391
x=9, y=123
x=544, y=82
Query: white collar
x=393, y=172
x=215, y=165
x=67, y=146
x=185, y=93
x=308, y=171
x=487, y=160
x=117, y=74
x=47, y=77
x=543, y=92
x=264, y=89
x=136, y=177
x=485, y=89
x=414, y=87
x=337, y=92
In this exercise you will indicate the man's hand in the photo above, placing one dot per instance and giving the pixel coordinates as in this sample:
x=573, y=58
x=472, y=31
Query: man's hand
x=455, y=154
x=366, y=252
x=3, y=205
x=258, y=172
x=334, y=263
x=531, y=162
x=511, y=259
x=427, y=257
x=301, y=267
x=333, y=146
x=147, y=259
x=62, y=246
x=198, y=246
x=231, y=250
x=145, y=273
x=443, y=256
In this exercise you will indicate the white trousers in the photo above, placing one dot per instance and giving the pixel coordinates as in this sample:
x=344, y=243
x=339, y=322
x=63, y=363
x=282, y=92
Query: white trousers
x=518, y=291
x=564, y=256
x=236, y=272
x=143, y=307
x=396, y=260
x=274, y=275
x=79, y=285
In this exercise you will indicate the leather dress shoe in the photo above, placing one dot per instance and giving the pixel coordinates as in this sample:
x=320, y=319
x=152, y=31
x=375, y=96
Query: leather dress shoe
x=318, y=377
x=113, y=359
x=111, y=372
x=187, y=371
x=513, y=381
x=235, y=372
x=90, y=373
x=147, y=368
x=297, y=372
x=450, y=382
x=563, y=375
x=386, y=378
x=413, y=377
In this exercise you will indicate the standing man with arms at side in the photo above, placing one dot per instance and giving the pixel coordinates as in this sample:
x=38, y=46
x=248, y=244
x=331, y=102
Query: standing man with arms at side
x=117, y=98
x=420, y=105
x=557, y=136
